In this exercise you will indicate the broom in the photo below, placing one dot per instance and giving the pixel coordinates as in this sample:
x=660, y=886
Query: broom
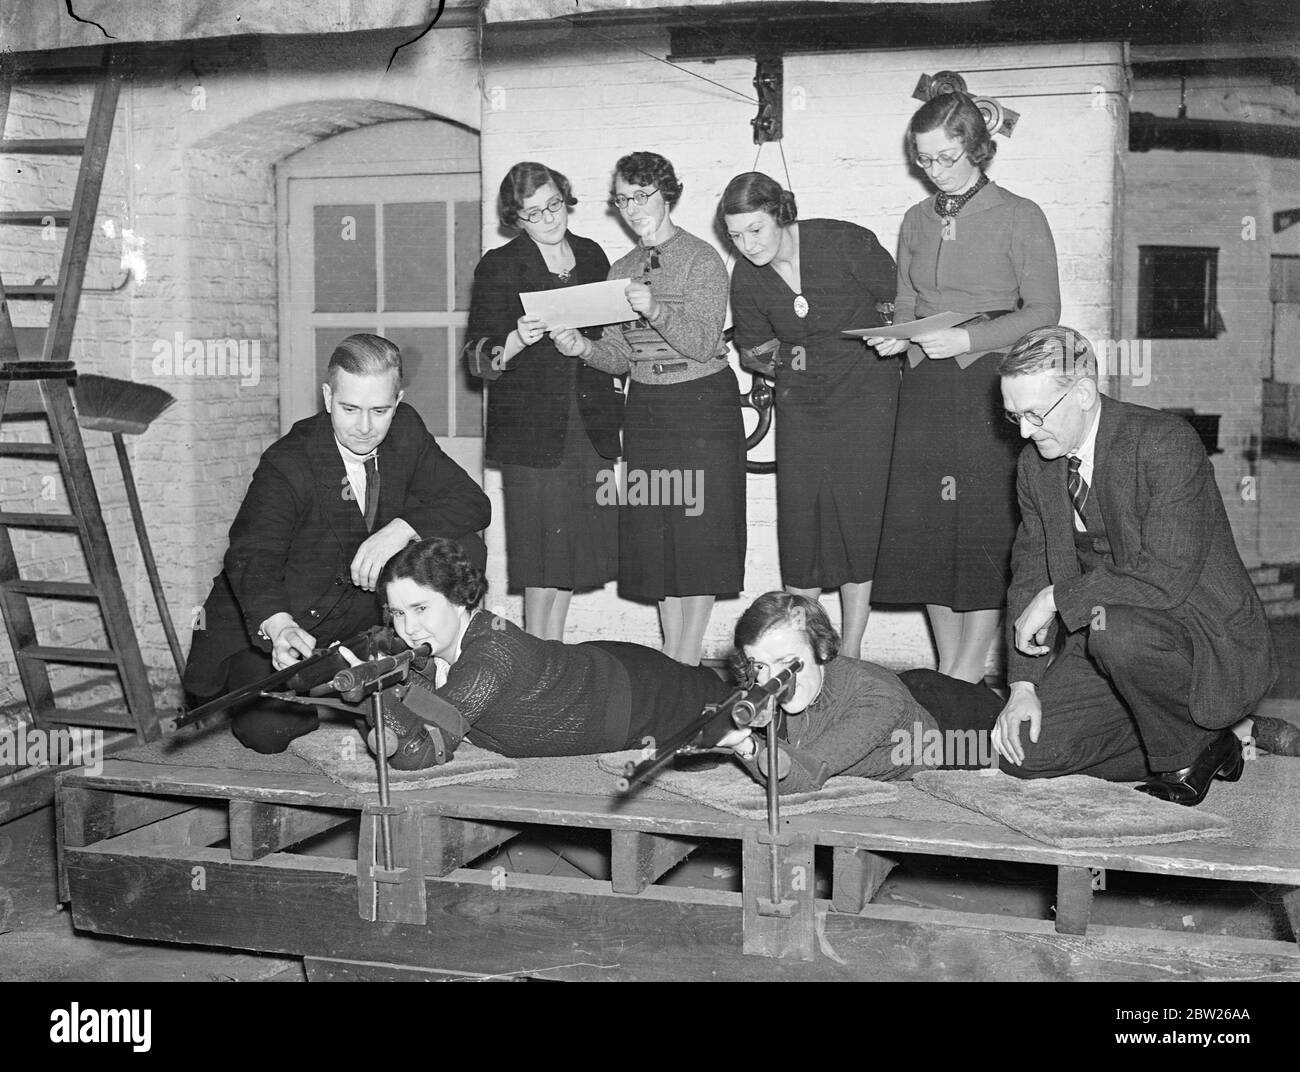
x=122, y=407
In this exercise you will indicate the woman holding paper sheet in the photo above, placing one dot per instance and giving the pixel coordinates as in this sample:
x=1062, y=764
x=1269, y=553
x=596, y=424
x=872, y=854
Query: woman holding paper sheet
x=552, y=424
x=950, y=515
x=682, y=527
x=797, y=286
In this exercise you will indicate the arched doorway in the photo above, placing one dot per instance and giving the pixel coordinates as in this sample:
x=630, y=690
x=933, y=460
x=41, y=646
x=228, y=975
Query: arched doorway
x=379, y=232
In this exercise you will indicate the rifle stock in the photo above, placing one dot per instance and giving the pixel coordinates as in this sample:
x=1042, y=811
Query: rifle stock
x=310, y=673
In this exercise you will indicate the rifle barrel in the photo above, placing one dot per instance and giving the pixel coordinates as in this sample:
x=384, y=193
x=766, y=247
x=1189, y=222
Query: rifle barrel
x=316, y=669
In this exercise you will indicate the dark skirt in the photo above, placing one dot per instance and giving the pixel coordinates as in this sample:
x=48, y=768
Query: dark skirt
x=684, y=442
x=666, y=697
x=833, y=453
x=951, y=513
x=558, y=535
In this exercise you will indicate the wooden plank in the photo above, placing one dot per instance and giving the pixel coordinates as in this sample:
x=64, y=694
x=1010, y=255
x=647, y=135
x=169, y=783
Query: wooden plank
x=1291, y=902
x=91, y=815
x=81, y=228
x=257, y=829
x=638, y=859
x=452, y=843
x=79, y=483
x=333, y=970
x=1215, y=859
x=27, y=791
x=856, y=877
x=200, y=826
x=779, y=913
x=1073, y=899
x=579, y=929
x=390, y=881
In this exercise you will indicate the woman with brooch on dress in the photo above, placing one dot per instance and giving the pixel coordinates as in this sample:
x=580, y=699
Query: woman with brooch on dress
x=552, y=424
x=684, y=431
x=951, y=514
x=798, y=285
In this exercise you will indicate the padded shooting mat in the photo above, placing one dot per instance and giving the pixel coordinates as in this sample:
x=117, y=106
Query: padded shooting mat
x=729, y=788
x=340, y=753
x=1075, y=811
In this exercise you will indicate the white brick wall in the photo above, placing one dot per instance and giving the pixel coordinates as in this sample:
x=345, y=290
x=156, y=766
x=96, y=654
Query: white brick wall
x=191, y=176
x=1224, y=200
x=585, y=103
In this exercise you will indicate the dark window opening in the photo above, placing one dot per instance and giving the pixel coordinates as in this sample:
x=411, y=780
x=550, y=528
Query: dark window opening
x=1177, y=289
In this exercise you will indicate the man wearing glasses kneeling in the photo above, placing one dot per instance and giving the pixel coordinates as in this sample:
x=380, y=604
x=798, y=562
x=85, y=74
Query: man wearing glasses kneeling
x=1135, y=638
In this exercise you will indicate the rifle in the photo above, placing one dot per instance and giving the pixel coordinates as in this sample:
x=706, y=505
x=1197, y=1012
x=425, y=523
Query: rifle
x=318, y=669
x=754, y=707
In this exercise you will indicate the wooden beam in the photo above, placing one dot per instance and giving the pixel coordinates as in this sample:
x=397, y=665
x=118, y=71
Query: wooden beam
x=856, y=877
x=639, y=860
x=334, y=970
x=1073, y=899
x=553, y=928
x=453, y=843
x=390, y=889
x=91, y=815
x=258, y=829
x=198, y=827
x=779, y=914
x=1291, y=902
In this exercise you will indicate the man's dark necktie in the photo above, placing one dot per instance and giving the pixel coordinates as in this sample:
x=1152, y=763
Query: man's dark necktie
x=372, y=492
x=1077, y=485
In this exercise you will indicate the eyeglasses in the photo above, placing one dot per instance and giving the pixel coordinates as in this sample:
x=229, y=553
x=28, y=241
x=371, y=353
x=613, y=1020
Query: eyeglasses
x=1034, y=418
x=944, y=160
x=640, y=197
x=551, y=208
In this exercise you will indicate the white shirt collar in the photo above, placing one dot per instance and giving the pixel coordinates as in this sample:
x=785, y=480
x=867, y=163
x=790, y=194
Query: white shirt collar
x=1087, y=452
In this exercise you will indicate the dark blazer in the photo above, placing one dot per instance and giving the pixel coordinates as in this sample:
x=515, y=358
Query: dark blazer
x=1173, y=551
x=293, y=540
x=528, y=400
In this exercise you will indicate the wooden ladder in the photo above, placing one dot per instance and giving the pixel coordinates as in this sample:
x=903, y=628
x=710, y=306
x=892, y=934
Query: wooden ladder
x=53, y=376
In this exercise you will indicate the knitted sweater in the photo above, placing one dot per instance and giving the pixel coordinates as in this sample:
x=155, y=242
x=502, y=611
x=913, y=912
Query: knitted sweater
x=997, y=255
x=691, y=285
x=848, y=729
x=523, y=696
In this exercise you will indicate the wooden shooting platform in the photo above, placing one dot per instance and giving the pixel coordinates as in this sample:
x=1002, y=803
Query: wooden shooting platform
x=181, y=846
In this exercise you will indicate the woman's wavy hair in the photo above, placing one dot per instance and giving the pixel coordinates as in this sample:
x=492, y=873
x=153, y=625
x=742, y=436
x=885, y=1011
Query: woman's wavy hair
x=755, y=192
x=521, y=182
x=649, y=169
x=960, y=120
x=773, y=609
x=440, y=565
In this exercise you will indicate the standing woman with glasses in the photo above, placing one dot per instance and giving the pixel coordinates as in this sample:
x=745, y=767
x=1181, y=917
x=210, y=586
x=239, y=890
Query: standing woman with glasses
x=683, y=423
x=950, y=515
x=798, y=285
x=552, y=424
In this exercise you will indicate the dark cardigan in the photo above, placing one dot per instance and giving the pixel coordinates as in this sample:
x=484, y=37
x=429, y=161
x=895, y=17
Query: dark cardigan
x=529, y=400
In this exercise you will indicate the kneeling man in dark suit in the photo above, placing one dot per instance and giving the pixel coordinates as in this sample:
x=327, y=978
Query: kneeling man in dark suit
x=329, y=505
x=1135, y=637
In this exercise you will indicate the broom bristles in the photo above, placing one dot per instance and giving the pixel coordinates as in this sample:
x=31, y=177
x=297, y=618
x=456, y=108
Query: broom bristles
x=107, y=404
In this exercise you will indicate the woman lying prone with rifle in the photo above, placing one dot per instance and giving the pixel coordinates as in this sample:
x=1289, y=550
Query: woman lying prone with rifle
x=514, y=693
x=518, y=695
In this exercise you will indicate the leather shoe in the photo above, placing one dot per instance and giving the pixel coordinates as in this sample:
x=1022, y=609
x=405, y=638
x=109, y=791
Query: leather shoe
x=1221, y=758
x=1276, y=736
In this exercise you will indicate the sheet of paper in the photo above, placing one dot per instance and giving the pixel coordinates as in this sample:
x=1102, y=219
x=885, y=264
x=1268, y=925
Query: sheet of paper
x=584, y=306
x=913, y=328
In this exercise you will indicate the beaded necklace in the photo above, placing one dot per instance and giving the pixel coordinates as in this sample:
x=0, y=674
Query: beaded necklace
x=948, y=205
